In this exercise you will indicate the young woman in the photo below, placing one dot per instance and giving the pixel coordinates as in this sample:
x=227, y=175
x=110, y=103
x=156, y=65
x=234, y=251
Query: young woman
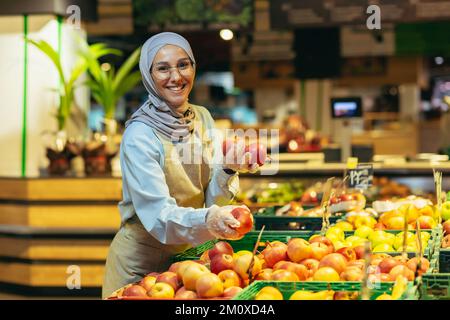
x=168, y=204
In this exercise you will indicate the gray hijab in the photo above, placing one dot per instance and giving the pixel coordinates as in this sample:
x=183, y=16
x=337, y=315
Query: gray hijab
x=155, y=112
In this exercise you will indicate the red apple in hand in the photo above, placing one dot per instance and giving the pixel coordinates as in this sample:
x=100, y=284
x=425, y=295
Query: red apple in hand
x=227, y=146
x=245, y=217
x=221, y=247
x=231, y=152
x=258, y=153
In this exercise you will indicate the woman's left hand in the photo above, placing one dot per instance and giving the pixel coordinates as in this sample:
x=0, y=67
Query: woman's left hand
x=239, y=161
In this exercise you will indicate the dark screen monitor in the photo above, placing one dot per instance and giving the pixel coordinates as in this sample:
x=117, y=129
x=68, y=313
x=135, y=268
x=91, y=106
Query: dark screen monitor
x=346, y=108
x=318, y=53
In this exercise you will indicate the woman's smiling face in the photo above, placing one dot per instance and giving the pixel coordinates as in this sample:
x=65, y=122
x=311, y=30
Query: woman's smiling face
x=173, y=74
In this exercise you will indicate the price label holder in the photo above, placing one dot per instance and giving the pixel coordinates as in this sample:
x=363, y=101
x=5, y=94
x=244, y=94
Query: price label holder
x=438, y=185
x=255, y=248
x=360, y=177
x=367, y=285
x=325, y=205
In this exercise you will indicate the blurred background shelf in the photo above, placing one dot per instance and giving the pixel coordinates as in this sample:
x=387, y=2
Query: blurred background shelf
x=48, y=225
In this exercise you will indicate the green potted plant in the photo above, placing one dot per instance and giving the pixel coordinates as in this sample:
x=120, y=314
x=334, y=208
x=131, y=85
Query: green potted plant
x=107, y=87
x=61, y=151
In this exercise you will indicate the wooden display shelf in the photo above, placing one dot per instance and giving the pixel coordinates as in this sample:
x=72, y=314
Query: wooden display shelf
x=62, y=189
x=54, y=249
x=49, y=275
x=60, y=215
x=49, y=224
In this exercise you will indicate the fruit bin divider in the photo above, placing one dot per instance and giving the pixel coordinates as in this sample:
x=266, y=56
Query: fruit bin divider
x=436, y=285
x=288, y=288
x=266, y=216
x=248, y=242
x=283, y=222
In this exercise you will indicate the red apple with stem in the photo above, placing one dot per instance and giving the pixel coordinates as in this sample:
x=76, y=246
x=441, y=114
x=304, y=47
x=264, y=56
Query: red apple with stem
x=245, y=217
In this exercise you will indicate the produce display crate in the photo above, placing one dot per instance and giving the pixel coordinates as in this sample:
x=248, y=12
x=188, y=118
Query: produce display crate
x=427, y=252
x=266, y=216
x=435, y=286
x=288, y=288
x=246, y=243
x=291, y=223
x=444, y=260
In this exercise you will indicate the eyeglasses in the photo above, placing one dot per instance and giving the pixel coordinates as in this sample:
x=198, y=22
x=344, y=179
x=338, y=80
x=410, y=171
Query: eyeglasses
x=162, y=71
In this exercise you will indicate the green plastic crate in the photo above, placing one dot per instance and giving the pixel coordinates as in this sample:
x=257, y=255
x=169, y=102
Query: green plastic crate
x=444, y=260
x=435, y=286
x=266, y=216
x=290, y=223
x=246, y=243
x=288, y=288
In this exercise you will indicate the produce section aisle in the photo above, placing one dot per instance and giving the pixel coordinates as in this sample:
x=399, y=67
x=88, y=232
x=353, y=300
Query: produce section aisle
x=54, y=232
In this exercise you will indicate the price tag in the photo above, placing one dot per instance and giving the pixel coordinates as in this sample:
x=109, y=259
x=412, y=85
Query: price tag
x=352, y=163
x=361, y=177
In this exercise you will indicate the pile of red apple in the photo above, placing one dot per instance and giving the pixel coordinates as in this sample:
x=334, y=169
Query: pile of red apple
x=347, y=201
x=317, y=260
x=222, y=273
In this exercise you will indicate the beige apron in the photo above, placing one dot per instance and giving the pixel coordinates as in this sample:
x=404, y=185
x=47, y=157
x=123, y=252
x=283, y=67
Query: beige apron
x=134, y=252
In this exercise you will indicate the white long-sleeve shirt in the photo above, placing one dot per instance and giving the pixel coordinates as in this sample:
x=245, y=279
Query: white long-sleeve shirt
x=146, y=193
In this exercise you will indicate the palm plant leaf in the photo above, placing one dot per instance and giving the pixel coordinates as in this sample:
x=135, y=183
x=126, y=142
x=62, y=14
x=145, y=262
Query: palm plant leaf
x=126, y=68
x=46, y=48
x=128, y=83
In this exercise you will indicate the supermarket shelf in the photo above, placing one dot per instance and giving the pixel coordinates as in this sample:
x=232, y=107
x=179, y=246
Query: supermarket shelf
x=61, y=189
x=408, y=168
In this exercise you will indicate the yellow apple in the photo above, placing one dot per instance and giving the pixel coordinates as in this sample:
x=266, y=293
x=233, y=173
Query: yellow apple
x=337, y=232
x=344, y=225
x=363, y=231
x=162, y=290
x=383, y=247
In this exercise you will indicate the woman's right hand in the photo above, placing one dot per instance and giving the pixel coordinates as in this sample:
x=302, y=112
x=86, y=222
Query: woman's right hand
x=221, y=223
